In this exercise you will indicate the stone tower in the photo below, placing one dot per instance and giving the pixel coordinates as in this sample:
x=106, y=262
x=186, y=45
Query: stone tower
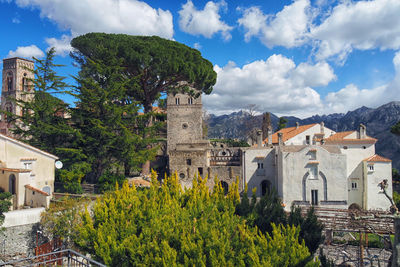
x=184, y=120
x=16, y=84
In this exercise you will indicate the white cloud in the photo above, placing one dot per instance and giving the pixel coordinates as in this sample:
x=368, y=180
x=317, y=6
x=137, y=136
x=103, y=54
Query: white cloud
x=26, y=52
x=197, y=46
x=351, y=97
x=110, y=16
x=62, y=46
x=287, y=28
x=358, y=25
x=206, y=22
x=276, y=85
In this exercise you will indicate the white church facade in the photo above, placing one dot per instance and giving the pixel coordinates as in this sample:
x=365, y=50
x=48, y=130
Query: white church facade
x=314, y=165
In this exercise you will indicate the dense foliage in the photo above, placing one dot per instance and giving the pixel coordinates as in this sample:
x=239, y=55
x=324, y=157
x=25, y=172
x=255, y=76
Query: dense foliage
x=150, y=65
x=5, y=204
x=231, y=142
x=282, y=123
x=269, y=210
x=166, y=226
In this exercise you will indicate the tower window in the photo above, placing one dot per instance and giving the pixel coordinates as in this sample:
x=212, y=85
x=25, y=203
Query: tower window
x=9, y=81
x=200, y=171
x=260, y=165
x=177, y=101
x=184, y=126
x=307, y=139
x=189, y=162
x=190, y=101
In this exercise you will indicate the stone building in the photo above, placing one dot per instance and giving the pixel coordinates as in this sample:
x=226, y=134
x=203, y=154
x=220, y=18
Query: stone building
x=16, y=85
x=305, y=164
x=189, y=153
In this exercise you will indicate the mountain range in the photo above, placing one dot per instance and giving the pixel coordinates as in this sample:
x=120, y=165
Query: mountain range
x=378, y=121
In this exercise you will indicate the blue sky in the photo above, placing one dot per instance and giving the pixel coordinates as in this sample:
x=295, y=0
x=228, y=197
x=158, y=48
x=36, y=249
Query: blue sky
x=288, y=57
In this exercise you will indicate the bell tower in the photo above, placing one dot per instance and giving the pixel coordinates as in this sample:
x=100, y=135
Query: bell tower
x=184, y=120
x=16, y=84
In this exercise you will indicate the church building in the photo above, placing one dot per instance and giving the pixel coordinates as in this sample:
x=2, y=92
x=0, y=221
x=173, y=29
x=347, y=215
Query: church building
x=306, y=164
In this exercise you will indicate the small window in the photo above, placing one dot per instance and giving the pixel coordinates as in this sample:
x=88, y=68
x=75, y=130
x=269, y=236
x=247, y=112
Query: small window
x=177, y=101
x=260, y=165
x=190, y=101
x=307, y=139
x=189, y=162
x=184, y=126
x=33, y=192
x=181, y=175
x=314, y=197
x=345, y=147
x=28, y=165
x=371, y=168
x=200, y=170
x=354, y=185
x=364, y=147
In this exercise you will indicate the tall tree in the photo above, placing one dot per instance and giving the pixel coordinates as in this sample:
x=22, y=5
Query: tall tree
x=282, y=123
x=151, y=65
x=114, y=136
x=43, y=123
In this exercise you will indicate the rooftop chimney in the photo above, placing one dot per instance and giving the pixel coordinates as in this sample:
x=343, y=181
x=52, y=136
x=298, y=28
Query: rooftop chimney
x=259, y=138
x=362, y=131
x=322, y=124
x=269, y=135
x=280, y=141
x=266, y=123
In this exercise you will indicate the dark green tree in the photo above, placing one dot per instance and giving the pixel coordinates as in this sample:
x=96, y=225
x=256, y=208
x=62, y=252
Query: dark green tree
x=395, y=174
x=150, y=65
x=114, y=135
x=396, y=128
x=282, y=123
x=310, y=227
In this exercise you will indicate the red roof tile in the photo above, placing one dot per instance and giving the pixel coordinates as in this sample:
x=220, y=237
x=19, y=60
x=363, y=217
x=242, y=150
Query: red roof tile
x=377, y=158
x=290, y=132
x=36, y=190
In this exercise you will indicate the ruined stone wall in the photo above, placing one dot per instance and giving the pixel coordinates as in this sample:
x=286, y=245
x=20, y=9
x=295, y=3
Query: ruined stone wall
x=228, y=174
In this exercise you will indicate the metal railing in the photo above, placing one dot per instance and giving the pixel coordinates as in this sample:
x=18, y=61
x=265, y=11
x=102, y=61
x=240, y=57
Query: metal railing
x=67, y=257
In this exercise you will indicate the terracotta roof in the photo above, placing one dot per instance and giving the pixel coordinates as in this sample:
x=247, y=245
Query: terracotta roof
x=340, y=138
x=377, y=158
x=140, y=182
x=14, y=170
x=313, y=162
x=36, y=190
x=290, y=132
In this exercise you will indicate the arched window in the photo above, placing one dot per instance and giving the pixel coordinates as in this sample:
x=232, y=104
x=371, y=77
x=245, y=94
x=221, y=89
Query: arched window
x=265, y=187
x=224, y=186
x=12, y=184
x=9, y=81
x=25, y=86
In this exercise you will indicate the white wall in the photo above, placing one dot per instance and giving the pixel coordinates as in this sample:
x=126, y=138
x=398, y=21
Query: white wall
x=296, y=166
x=253, y=176
x=375, y=199
x=21, y=217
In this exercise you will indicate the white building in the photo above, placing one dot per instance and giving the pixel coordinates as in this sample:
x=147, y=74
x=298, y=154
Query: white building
x=313, y=165
x=26, y=172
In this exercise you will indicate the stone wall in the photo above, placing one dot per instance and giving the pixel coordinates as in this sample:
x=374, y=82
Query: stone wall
x=19, y=241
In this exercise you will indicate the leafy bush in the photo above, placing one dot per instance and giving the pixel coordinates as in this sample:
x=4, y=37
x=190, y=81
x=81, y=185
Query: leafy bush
x=166, y=226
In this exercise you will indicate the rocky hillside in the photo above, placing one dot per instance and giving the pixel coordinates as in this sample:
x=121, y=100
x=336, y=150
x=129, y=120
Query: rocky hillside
x=378, y=122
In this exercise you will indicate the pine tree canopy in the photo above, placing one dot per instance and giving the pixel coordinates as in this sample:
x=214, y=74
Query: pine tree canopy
x=151, y=65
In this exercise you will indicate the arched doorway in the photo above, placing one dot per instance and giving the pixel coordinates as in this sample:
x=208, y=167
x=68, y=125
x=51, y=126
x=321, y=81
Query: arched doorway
x=224, y=186
x=12, y=184
x=265, y=187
